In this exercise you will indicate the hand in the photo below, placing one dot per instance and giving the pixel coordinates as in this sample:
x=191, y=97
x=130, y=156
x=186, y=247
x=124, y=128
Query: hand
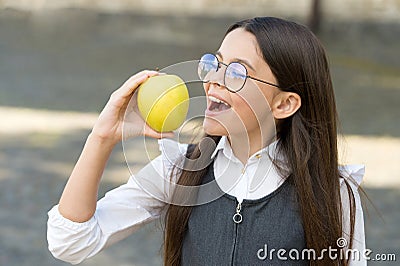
x=121, y=113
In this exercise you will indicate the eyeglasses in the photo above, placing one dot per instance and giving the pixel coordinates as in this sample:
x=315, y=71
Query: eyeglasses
x=235, y=75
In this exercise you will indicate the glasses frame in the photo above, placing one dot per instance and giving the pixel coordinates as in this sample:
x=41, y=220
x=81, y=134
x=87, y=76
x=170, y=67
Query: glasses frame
x=246, y=75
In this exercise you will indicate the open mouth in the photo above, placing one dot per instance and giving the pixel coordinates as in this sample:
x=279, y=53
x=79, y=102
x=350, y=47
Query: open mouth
x=217, y=105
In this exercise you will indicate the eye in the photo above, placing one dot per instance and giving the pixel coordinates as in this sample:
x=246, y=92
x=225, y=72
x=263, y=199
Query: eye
x=236, y=71
x=207, y=64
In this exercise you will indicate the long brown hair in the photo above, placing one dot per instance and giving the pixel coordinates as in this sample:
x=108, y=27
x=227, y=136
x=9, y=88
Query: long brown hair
x=307, y=139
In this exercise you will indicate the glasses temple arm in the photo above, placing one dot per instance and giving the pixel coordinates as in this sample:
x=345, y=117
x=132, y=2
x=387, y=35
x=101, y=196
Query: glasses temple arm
x=263, y=81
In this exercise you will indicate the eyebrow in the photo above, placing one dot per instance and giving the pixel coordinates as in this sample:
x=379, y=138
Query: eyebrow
x=243, y=61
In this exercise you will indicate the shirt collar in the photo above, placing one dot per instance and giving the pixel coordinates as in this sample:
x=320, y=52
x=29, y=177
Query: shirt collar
x=225, y=146
x=220, y=146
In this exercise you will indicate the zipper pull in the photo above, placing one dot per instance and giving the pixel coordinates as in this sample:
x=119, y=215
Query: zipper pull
x=237, y=217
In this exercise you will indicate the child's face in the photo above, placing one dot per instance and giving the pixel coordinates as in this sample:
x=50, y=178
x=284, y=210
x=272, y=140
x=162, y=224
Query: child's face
x=249, y=109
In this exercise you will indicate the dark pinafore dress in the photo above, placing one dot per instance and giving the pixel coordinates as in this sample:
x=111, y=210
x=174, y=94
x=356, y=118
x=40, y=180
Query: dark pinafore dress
x=253, y=237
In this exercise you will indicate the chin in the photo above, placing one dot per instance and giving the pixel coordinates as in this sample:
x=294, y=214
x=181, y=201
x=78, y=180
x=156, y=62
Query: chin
x=213, y=128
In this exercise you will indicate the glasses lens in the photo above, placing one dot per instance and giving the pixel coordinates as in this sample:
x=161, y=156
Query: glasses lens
x=235, y=76
x=207, y=64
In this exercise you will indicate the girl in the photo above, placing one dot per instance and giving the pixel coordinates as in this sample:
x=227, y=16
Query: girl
x=270, y=101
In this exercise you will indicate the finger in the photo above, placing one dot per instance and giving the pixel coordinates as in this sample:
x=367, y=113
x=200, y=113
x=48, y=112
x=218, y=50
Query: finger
x=133, y=82
x=154, y=134
x=132, y=105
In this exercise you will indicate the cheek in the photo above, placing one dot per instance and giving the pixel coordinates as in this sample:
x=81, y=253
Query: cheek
x=254, y=110
x=242, y=107
x=252, y=106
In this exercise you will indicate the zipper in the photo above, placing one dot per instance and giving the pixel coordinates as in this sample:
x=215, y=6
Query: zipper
x=237, y=219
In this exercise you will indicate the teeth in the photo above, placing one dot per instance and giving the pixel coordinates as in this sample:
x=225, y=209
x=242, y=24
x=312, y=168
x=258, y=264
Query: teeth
x=213, y=99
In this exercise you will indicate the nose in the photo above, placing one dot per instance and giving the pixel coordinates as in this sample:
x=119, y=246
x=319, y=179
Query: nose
x=217, y=77
x=214, y=86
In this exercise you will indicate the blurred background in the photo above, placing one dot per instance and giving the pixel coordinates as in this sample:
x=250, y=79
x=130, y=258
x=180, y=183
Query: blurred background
x=60, y=60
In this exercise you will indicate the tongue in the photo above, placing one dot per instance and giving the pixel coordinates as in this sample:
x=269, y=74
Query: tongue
x=216, y=107
x=222, y=107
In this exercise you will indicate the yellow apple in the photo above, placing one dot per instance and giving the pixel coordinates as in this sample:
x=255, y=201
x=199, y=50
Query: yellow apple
x=163, y=102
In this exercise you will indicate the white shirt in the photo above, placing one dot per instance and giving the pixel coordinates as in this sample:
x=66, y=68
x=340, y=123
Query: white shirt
x=143, y=198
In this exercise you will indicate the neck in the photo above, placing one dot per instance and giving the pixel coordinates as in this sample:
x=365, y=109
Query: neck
x=245, y=145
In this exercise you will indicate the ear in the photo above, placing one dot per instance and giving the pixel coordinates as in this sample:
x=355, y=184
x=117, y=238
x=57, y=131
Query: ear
x=285, y=104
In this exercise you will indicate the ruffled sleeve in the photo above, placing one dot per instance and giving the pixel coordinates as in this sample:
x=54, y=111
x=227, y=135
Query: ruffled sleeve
x=353, y=174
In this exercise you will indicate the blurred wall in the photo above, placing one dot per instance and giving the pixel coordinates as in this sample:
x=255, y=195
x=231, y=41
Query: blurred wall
x=333, y=9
